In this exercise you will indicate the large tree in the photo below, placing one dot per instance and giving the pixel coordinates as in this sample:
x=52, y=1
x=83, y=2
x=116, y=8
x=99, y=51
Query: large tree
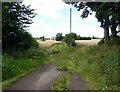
x=15, y=17
x=106, y=12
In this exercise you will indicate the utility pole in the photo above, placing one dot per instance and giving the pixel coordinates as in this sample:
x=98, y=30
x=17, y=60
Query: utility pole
x=70, y=19
x=70, y=22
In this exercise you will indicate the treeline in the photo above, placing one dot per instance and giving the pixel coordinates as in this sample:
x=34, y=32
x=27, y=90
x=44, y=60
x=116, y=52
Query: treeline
x=70, y=38
x=83, y=38
x=60, y=37
x=42, y=38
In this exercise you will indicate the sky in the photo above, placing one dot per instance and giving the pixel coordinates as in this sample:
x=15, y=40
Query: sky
x=54, y=17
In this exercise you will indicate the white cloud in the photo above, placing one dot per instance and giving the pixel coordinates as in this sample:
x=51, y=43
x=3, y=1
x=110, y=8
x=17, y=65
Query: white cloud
x=53, y=18
x=47, y=8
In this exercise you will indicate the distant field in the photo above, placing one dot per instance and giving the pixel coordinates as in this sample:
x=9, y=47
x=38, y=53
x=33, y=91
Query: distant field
x=79, y=42
x=88, y=42
x=47, y=42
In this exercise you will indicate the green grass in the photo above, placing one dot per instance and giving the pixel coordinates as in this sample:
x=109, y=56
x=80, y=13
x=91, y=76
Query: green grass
x=62, y=83
x=20, y=64
x=98, y=65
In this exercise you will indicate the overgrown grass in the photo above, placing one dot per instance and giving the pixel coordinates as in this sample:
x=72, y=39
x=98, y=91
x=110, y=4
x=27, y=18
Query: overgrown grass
x=62, y=83
x=21, y=63
x=98, y=65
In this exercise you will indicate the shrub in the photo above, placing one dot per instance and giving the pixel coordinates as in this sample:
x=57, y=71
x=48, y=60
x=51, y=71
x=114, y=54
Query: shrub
x=21, y=62
x=43, y=38
x=113, y=40
x=59, y=37
x=22, y=41
x=101, y=42
x=72, y=35
x=70, y=41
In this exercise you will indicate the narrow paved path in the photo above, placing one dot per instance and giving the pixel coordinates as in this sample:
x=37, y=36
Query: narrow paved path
x=44, y=77
x=40, y=79
x=77, y=83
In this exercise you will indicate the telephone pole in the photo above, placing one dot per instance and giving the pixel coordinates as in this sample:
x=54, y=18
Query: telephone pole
x=70, y=23
x=70, y=19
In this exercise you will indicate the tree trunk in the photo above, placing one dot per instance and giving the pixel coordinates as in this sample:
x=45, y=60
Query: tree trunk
x=106, y=35
x=113, y=33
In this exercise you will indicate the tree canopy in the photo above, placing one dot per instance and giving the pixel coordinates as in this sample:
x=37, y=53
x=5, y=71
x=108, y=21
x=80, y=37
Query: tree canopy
x=16, y=17
x=106, y=12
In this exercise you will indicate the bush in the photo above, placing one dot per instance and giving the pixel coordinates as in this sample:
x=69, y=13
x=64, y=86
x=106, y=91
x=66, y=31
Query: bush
x=43, y=38
x=21, y=62
x=26, y=41
x=101, y=42
x=22, y=40
x=59, y=37
x=72, y=35
x=113, y=40
x=70, y=41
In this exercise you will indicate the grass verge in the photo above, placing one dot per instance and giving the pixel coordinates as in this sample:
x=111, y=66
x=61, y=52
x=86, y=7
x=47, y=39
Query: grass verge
x=19, y=64
x=98, y=65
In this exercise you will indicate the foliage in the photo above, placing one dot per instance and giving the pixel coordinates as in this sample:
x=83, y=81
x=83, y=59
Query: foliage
x=95, y=37
x=101, y=42
x=15, y=20
x=115, y=41
x=70, y=39
x=26, y=41
x=43, y=38
x=21, y=62
x=107, y=14
x=98, y=65
x=61, y=83
x=72, y=35
x=58, y=47
x=59, y=37
x=83, y=38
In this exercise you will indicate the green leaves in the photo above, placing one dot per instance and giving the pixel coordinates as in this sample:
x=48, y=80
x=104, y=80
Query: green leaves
x=62, y=83
x=16, y=17
x=59, y=37
x=70, y=39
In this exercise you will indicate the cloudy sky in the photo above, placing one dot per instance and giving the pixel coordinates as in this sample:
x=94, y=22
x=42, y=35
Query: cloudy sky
x=53, y=17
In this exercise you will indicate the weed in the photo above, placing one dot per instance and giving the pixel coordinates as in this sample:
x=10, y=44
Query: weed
x=96, y=64
x=62, y=83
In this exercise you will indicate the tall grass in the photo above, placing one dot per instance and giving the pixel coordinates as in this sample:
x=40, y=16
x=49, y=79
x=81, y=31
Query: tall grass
x=21, y=63
x=96, y=64
x=101, y=67
x=62, y=83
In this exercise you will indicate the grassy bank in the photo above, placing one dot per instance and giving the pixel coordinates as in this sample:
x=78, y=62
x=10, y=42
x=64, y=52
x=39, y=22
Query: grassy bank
x=98, y=65
x=21, y=63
